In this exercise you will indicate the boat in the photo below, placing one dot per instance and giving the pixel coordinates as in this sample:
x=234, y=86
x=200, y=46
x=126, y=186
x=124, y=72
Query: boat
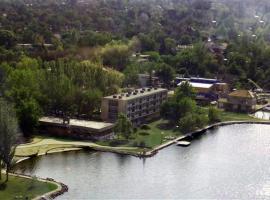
x=183, y=143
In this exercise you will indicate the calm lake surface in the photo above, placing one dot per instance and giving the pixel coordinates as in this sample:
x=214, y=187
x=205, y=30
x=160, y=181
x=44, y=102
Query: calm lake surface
x=231, y=162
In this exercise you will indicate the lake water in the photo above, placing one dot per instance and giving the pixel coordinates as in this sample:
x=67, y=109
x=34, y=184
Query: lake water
x=231, y=162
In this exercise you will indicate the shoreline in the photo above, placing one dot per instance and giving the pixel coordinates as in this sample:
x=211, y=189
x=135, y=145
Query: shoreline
x=151, y=152
x=62, y=188
x=200, y=132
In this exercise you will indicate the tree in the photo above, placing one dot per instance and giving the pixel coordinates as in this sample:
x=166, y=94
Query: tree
x=174, y=110
x=23, y=89
x=123, y=126
x=192, y=121
x=184, y=90
x=170, y=110
x=7, y=39
x=165, y=73
x=131, y=75
x=213, y=115
x=91, y=38
x=186, y=40
x=169, y=46
x=187, y=123
x=116, y=56
x=28, y=112
x=147, y=43
x=88, y=101
x=9, y=134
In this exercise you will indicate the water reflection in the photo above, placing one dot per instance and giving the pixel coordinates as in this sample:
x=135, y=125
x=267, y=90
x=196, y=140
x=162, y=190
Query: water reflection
x=227, y=163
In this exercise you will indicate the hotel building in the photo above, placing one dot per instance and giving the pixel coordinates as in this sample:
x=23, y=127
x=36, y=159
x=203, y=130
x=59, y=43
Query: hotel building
x=139, y=106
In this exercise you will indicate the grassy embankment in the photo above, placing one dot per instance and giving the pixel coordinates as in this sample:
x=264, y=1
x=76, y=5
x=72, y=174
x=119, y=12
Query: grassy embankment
x=153, y=135
x=149, y=136
x=43, y=145
x=24, y=188
x=230, y=116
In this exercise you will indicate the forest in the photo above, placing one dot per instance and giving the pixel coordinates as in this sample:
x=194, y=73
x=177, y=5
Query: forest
x=62, y=56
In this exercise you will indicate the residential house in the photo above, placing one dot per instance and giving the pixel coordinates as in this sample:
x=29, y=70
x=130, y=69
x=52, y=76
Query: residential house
x=239, y=101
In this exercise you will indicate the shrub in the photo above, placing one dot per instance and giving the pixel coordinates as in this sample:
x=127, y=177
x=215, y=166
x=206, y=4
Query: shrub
x=145, y=127
x=135, y=144
x=118, y=142
x=144, y=133
x=142, y=144
x=213, y=115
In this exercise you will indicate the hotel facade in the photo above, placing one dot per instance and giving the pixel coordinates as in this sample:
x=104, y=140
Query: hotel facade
x=139, y=106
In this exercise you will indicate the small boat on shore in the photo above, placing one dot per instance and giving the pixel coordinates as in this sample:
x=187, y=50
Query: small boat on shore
x=183, y=143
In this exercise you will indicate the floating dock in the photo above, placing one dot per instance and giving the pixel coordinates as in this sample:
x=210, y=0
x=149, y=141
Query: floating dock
x=183, y=143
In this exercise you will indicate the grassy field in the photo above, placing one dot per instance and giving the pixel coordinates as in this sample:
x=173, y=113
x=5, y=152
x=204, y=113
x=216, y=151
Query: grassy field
x=44, y=144
x=154, y=134
x=230, y=116
x=233, y=116
x=159, y=132
x=23, y=188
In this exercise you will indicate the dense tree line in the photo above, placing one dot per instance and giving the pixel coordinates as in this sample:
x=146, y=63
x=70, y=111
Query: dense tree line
x=62, y=87
x=44, y=45
x=110, y=31
x=181, y=110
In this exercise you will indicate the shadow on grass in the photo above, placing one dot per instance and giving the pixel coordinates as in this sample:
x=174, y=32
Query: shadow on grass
x=3, y=186
x=166, y=126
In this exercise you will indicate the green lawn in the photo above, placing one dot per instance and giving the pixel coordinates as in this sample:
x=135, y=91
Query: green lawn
x=160, y=131
x=23, y=188
x=230, y=116
x=157, y=133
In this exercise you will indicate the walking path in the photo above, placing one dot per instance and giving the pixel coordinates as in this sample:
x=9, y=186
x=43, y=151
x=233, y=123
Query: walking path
x=51, y=145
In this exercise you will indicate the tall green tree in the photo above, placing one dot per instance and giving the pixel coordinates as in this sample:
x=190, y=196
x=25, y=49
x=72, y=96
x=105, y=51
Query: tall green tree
x=166, y=73
x=123, y=126
x=185, y=90
x=9, y=133
x=23, y=89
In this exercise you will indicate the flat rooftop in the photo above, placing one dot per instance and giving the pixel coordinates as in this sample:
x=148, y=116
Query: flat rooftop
x=136, y=93
x=199, y=85
x=93, y=125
